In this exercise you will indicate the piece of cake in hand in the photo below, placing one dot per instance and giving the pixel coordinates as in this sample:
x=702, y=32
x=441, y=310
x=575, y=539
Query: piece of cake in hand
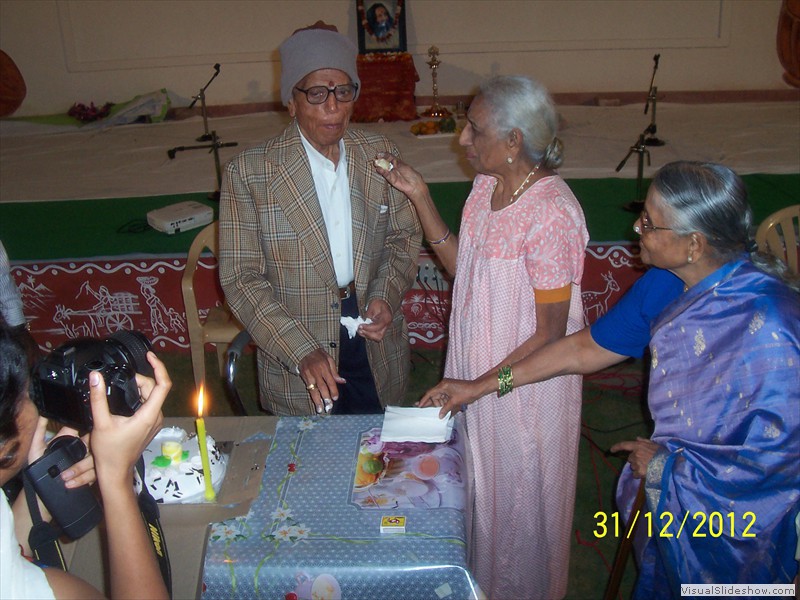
x=384, y=164
x=174, y=470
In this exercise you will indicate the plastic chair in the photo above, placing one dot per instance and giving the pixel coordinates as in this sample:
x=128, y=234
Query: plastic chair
x=779, y=235
x=220, y=326
x=235, y=350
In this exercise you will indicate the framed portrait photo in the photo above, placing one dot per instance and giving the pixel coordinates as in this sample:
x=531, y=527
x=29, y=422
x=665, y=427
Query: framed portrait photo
x=381, y=26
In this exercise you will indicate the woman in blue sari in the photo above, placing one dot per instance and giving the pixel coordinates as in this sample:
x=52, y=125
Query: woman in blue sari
x=722, y=468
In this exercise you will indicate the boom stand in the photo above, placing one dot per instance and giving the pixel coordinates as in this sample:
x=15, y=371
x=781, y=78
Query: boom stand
x=652, y=98
x=215, y=144
x=639, y=148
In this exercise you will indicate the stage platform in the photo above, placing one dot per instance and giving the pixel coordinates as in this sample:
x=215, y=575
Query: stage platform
x=41, y=162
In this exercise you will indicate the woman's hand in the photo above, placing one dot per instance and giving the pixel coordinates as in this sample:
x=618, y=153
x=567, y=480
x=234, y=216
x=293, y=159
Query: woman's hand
x=641, y=451
x=451, y=395
x=81, y=473
x=402, y=177
x=117, y=442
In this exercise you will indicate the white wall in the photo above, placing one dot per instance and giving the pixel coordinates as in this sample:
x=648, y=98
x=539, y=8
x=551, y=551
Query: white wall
x=90, y=50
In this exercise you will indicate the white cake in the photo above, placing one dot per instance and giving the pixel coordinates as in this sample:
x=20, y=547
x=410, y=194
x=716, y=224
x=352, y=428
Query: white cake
x=174, y=470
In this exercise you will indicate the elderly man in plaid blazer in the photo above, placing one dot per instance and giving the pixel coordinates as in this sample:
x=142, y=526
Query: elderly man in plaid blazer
x=311, y=233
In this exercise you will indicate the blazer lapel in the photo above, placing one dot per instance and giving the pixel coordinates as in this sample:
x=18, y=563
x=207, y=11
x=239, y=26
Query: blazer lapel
x=359, y=206
x=295, y=193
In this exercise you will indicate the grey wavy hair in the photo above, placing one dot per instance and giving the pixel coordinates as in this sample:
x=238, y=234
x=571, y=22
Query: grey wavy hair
x=522, y=103
x=711, y=199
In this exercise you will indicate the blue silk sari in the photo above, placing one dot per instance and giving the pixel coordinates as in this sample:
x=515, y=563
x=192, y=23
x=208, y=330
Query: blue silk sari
x=724, y=487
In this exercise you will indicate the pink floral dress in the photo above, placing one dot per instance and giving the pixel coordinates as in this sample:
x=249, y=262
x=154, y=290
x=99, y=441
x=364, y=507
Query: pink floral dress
x=524, y=445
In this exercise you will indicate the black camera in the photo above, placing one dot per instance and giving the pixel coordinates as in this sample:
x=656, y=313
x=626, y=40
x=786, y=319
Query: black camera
x=76, y=510
x=60, y=381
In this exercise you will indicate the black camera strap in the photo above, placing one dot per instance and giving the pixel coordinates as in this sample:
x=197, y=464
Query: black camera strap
x=150, y=513
x=43, y=537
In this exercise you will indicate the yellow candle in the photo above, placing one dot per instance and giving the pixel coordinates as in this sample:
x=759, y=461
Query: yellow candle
x=201, y=440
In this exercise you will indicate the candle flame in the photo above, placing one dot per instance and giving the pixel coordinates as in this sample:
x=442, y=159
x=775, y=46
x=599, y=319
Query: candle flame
x=200, y=401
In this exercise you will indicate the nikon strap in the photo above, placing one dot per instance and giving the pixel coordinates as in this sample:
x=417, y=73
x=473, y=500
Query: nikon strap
x=43, y=537
x=149, y=509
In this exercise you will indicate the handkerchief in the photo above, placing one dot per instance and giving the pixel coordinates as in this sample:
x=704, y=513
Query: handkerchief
x=352, y=324
x=412, y=424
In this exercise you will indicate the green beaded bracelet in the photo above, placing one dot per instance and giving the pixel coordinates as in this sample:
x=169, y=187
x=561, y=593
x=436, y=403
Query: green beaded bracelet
x=505, y=381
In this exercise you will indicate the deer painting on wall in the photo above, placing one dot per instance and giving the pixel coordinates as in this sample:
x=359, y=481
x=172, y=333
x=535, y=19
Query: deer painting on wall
x=595, y=304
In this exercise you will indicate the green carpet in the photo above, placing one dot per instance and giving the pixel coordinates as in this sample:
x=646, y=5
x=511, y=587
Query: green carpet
x=118, y=226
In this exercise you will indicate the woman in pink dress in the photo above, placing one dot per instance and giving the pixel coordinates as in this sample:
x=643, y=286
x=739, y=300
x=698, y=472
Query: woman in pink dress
x=518, y=263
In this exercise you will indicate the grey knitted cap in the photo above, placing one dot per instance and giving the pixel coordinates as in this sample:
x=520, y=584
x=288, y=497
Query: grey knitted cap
x=309, y=50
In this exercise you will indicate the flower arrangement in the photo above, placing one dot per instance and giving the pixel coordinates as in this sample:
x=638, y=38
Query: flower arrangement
x=87, y=114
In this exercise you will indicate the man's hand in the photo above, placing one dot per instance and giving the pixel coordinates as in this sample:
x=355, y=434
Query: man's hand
x=381, y=315
x=318, y=371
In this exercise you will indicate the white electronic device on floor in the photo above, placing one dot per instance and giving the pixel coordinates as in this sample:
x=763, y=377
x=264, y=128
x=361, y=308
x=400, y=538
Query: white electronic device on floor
x=180, y=217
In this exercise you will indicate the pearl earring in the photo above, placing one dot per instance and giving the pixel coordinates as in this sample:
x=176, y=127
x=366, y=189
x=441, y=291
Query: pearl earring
x=689, y=259
x=509, y=160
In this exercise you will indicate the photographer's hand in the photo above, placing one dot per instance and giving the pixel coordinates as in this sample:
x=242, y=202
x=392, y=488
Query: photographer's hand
x=117, y=443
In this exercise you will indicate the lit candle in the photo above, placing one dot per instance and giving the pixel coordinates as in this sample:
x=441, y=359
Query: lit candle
x=201, y=440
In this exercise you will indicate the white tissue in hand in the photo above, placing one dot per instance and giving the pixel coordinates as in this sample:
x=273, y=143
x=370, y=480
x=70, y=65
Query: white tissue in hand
x=352, y=324
x=384, y=164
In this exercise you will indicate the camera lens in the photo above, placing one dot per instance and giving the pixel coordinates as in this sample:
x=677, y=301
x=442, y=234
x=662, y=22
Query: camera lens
x=137, y=345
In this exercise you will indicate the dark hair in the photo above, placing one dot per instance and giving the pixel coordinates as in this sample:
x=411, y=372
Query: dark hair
x=372, y=18
x=711, y=199
x=14, y=379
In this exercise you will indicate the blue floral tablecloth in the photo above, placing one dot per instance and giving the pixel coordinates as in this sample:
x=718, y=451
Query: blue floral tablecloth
x=314, y=532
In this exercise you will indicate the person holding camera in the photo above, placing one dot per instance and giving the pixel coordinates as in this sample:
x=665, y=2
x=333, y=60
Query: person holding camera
x=116, y=443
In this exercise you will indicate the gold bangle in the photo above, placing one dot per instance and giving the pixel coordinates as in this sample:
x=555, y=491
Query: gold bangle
x=505, y=381
x=441, y=241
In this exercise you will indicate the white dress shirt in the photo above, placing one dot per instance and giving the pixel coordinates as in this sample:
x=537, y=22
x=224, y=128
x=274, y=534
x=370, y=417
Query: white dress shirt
x=333, y=191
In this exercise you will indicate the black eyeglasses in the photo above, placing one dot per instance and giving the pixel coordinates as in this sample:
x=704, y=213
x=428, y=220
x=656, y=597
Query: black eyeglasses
x=644, y=219
x=318, y=94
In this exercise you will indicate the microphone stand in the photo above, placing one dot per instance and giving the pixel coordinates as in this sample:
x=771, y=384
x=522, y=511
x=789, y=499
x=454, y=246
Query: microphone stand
x=652, y=97
x=211, y=136
x=641, y=149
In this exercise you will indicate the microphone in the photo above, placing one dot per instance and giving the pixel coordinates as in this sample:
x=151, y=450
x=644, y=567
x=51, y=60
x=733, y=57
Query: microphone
x=650, y=92
x=216, y=66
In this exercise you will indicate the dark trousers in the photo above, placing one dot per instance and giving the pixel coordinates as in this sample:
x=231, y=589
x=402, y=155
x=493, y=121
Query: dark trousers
x=358, y=395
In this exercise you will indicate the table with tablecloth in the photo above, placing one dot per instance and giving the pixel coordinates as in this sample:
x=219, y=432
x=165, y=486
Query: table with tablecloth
x=314, y=531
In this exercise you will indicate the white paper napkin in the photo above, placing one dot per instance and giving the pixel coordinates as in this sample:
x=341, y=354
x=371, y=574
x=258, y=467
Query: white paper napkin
x=352, y=324
x=412, y=424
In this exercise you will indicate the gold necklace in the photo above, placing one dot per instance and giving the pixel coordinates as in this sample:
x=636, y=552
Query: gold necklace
x=524, y=183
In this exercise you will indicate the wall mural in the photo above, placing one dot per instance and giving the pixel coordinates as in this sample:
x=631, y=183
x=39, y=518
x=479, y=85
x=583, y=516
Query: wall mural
x=70, y=299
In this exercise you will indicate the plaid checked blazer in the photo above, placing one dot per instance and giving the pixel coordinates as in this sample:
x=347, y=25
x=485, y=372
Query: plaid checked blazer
x=277, y=272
